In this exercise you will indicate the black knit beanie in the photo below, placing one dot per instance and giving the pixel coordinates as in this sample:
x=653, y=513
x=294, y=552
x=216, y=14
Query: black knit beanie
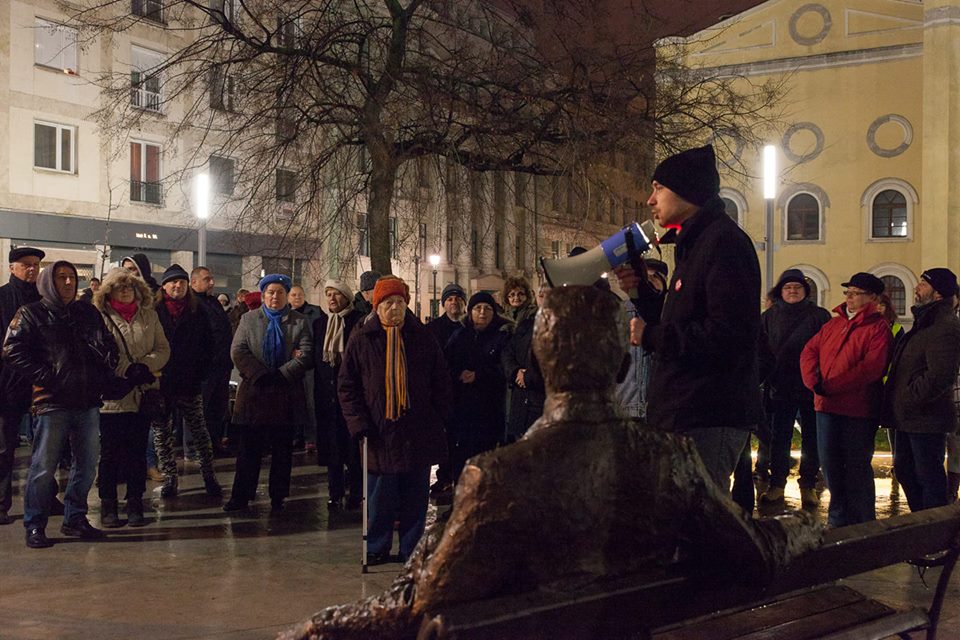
x=481, y=296
x=792, y=275
x=691, y=174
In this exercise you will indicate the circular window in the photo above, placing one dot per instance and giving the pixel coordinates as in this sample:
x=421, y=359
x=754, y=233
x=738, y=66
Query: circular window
x=889, y=135
x=810, y=24
x=802, y=142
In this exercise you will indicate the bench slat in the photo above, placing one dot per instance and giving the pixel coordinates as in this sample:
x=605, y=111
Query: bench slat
x=816, y=626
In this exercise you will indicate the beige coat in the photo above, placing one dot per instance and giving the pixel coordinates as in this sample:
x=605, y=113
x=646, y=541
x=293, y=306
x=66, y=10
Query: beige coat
x=147, y=344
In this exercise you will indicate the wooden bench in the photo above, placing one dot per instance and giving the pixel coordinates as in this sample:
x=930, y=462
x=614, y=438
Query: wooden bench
x=804, y=602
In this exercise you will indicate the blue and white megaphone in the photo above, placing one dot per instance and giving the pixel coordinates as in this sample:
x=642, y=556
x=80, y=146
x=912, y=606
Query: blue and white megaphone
x=630, y=243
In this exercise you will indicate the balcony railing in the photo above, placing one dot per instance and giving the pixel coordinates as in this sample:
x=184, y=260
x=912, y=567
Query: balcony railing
x=144, y=99
x=149, y=192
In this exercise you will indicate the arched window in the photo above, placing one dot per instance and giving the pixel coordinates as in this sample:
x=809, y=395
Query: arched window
x=814, y=293
x=894, y=287
x=803, y=218
x=731, y=208
x=889, y=215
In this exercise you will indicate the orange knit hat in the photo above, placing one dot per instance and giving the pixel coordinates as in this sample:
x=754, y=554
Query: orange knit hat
x=390, y=286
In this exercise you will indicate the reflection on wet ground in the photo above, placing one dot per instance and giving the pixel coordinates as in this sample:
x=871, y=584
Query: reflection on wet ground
x=197, y=572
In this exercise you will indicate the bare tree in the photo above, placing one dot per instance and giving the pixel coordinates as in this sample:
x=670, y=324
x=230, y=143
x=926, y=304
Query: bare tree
x=320, y=103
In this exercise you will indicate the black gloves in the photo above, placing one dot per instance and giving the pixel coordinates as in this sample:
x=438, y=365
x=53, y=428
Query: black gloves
x=818, y=389
x=139, y=373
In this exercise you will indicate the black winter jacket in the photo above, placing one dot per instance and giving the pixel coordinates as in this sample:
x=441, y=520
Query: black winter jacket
x=704, y=339
x=325, y=401
x=442, y=329
x=788, y=328
x=918, y=394
x=65, y=352
x=526, y=404
x=221, y=330
x=192, y=348
x=14, y=388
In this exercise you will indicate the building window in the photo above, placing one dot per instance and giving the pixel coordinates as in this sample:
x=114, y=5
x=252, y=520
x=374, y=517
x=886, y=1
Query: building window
x=555, y=249
x=145, y=173
x=556, y=197
x=145, y=79
x=498, y=249
x=288, y=31
x=894, y=287
x=814, y=290
x=449, y=243
x=221, y=89
x=224, y=11
x=803, y=218
x=364, y=235
x=55, y=46
x=731, y=208
x=422, y=236
x=392, y=236
x=286, y=185
x=149, y=9
x=889, y=215
x=474, y=247
x=54, y=146
x=518, y=252
x=519, y=188
x=221, y=174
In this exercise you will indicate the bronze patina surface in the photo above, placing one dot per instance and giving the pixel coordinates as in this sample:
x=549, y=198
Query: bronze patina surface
x=584, y=496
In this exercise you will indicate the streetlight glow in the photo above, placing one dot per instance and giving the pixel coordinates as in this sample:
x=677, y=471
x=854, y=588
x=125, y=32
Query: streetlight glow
x=769, y=172
x=434, y=260
x=201, y=195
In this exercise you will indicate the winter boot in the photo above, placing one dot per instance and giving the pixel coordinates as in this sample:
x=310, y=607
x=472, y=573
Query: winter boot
x=211, y=485
x=809, y=497
x=108, y=514
x=953, y=487
x=169, y=488
x=773, y=494
x=135, y=512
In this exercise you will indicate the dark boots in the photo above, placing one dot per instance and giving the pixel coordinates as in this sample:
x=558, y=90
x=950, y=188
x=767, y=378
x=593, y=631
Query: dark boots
x=135, y=512
x=211, y=485
x=169, y=488
x=108, y=514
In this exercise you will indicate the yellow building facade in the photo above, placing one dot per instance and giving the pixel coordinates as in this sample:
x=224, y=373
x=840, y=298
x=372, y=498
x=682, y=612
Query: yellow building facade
x=868, y=157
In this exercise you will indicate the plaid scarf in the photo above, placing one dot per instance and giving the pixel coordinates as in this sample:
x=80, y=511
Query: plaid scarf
x=396, y=375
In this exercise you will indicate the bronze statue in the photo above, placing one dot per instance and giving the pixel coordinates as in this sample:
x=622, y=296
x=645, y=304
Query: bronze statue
x=583, y=496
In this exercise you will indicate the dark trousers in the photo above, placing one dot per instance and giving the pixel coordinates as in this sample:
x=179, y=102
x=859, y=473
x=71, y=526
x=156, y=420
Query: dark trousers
x=393, y=497
x=846, y=450
x=785, y=412
x=742, y=492
x=918, y=462
x=254, y=441
x=123, y=437
x=344, y=467
x=216, y=403
x=9, y=439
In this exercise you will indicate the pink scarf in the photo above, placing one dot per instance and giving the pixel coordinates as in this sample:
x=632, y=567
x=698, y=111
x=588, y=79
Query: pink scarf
x=126, y=311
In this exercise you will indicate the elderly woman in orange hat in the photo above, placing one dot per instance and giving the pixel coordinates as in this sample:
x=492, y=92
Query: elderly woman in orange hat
x=394, y=390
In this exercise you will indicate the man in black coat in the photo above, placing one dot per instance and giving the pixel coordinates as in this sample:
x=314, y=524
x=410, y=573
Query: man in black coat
x=216, y=387
x=61, y=346
x=192, y=353
x=704, y=333
x=362, y=301
x=14, y=388
x=788, y=324
x=918, y=395
x=331, y=331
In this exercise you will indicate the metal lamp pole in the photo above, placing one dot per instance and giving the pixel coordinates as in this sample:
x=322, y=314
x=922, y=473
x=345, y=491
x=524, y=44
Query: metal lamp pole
x=201, y=188
x=769, y=193
x=434, y=262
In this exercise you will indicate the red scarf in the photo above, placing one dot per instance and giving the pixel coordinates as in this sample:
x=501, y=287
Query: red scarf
x=175, y=307
x=126, y=311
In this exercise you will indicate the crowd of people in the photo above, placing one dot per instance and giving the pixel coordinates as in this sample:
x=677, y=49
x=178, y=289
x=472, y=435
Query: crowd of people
x=368, y=384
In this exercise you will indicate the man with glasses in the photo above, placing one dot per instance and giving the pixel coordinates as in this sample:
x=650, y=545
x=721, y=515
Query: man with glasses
x=788, y=324
x=844, y=364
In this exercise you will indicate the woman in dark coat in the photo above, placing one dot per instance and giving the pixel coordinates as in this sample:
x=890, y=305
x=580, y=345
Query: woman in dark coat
x=272, y=349
x=401, y=415
x=331, y=333
x=522, y=374
x=479, y=387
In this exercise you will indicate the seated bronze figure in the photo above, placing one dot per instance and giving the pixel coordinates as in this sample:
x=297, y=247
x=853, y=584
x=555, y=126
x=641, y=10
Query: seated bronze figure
x=585, y=495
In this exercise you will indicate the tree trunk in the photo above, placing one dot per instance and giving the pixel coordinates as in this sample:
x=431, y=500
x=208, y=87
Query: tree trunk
x=383, y=177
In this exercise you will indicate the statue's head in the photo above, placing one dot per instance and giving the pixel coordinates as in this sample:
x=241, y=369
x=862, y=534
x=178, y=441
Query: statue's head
x=580, y=339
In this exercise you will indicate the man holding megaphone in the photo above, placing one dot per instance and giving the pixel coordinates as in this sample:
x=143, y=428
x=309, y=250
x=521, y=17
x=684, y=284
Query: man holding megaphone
x=703, y=332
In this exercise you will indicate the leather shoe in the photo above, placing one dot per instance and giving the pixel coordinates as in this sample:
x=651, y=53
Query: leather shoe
x=169, y=488
x=374, y=559
x=276, y=505
x=5, y=518
x=82, y=529
x=234, y=505
x=37, y=538
x=211, y=486
x=335, y=505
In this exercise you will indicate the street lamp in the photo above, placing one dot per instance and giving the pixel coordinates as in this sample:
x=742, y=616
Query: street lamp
x=434, y=260
x=201, y=206
x=769, y=193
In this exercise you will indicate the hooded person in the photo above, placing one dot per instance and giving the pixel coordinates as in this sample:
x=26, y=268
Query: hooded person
x=363, y=301
x=473, y=357
x=792, y=319
x=14, y=389
x=332, y=331
x=139, y=263
x=63, y=348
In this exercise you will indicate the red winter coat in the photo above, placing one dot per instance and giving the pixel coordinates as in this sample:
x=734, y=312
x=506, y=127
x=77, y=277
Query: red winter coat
x=848, y=358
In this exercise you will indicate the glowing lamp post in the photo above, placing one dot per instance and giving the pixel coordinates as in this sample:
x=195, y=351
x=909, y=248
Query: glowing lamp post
x=434, y=260
x=201, y=207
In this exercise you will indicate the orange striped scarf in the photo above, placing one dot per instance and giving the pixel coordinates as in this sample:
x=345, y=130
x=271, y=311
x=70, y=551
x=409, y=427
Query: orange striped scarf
x=397, y=400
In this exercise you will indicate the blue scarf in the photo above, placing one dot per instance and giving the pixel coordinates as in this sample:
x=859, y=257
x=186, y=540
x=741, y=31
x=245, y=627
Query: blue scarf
x=274, y=353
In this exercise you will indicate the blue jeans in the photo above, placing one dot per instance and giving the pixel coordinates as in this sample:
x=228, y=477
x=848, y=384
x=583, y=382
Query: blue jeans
x=918, y=461
x=82, y=428
x=397, y=496
x=785, y=412
x=846, y=451
x=720, y=449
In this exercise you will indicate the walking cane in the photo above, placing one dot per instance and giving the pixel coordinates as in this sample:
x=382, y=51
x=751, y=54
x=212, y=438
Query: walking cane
x=363, y=507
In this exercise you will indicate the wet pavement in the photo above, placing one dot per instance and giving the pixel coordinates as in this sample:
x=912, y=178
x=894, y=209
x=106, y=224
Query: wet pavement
x=196, y=572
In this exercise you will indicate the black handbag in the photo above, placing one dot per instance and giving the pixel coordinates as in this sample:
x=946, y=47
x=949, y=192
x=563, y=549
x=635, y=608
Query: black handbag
x=153, y=404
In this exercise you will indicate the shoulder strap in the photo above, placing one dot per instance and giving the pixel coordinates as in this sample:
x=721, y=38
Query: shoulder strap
x=122, y=339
